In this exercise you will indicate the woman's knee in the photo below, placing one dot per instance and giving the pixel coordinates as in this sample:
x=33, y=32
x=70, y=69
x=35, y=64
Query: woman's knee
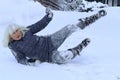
x=72, y=27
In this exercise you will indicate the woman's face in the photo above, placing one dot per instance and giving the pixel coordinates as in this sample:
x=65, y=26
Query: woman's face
x=17, y=35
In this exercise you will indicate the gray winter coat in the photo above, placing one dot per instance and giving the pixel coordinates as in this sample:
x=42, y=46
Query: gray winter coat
x=33, y=46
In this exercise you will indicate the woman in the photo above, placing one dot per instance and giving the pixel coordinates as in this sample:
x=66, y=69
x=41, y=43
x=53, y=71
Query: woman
x=28, y=47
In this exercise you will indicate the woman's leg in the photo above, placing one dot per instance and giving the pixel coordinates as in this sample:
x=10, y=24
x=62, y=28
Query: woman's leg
x=59, y=37
x=61, y=57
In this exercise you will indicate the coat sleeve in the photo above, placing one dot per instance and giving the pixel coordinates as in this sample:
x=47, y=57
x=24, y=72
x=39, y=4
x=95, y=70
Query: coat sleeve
x=21, y=58
x=38, y=26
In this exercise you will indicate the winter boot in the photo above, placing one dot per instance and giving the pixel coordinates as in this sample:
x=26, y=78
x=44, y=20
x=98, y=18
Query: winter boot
x=76, y=50
x=89, y=20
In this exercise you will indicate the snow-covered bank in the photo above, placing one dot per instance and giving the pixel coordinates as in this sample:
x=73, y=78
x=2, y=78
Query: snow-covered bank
x=99, y=61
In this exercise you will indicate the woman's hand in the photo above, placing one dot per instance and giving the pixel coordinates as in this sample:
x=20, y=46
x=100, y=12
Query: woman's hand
x=49, y=12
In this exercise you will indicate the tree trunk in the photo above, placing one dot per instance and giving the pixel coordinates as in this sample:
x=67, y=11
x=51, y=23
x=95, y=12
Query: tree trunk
x=118, y=3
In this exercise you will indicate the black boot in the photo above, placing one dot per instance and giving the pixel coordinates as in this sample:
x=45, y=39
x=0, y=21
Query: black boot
x=89, y=20
x=76, y=50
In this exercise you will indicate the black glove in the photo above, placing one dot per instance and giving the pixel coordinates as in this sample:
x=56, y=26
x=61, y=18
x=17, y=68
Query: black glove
x=49, y=12
x=31, y=60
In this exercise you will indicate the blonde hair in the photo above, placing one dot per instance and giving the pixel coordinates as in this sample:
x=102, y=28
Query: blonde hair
x=10, y=30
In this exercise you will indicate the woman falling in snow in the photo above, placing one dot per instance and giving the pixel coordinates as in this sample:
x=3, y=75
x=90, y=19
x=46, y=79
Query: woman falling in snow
x=28, y=47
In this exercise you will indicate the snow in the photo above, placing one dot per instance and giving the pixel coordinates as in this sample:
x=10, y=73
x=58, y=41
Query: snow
x=99, y=61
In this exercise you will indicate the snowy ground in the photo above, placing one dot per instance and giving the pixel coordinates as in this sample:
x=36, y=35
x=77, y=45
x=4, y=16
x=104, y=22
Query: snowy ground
x=99, y=61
